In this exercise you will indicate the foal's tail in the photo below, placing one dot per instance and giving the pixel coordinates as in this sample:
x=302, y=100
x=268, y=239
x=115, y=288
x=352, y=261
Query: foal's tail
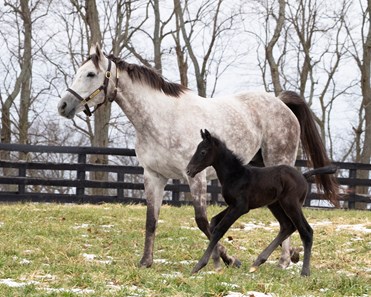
x=330, y=169
x=312, y=143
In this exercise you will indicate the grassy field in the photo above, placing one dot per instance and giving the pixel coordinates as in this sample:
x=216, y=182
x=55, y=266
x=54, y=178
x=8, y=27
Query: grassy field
x=86, y=250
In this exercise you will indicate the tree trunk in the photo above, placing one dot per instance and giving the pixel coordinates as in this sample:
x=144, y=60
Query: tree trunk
x=200, y=81
x=157, y=37
x=103, y=114
x=365, y=67
x=25, y=100
x=270, y=46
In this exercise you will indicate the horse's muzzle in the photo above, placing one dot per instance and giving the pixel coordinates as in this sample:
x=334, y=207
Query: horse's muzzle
x=66, y=108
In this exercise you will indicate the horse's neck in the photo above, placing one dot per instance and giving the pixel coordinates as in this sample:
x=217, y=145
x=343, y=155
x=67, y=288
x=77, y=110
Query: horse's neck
x=226, y=165
x=141, y=104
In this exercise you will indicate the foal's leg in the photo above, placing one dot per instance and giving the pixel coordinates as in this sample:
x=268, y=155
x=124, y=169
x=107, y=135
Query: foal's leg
x=293, y=209
x=198, y=189
x=231, y=214
x=286, y=229
x=154, y=190
x=281, y=148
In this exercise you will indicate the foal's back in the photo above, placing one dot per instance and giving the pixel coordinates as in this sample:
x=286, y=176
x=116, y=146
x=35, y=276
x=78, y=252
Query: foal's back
x=267, y=185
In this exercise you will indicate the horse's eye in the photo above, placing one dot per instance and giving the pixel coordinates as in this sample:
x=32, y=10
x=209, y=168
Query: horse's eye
x=203, y=153
x=91, y=74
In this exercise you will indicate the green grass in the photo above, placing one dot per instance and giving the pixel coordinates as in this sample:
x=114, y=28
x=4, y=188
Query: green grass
x=49, y=249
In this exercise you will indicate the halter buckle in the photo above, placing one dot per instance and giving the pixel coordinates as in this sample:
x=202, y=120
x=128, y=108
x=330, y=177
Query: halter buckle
x=108, y=74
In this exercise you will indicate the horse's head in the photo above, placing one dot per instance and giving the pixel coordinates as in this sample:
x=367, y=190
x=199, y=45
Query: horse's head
x=90, y=86
x=204, y=155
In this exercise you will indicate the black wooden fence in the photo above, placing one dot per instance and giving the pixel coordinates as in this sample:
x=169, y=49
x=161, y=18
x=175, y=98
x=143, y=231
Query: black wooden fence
x=45, y=178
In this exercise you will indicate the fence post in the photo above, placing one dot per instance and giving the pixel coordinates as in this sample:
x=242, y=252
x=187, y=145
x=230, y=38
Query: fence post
x=308, y=198
x=214, y=195
x=175, y=196
x=352, y=190
x=21, y=187
x=120, y=190
x=80, y=190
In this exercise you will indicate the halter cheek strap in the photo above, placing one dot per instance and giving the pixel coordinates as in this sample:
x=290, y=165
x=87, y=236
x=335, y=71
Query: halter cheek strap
x=103, y=87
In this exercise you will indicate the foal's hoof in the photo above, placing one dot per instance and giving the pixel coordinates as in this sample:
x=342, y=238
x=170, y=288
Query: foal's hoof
x=233, y=262
x=236, y=263
x=253, y=269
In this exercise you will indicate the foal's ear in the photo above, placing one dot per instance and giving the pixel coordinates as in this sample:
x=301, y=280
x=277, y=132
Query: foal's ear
x=205, y=134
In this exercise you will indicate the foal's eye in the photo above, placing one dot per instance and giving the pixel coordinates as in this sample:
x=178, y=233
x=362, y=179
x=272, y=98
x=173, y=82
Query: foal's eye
x=91, y=74
x=203, y=153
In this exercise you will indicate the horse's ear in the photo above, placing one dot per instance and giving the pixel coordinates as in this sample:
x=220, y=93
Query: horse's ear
x=92, y=49
x=96, y=50
x=202, y=134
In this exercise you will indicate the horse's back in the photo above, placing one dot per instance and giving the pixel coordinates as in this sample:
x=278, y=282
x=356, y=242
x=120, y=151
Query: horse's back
x=271, y=122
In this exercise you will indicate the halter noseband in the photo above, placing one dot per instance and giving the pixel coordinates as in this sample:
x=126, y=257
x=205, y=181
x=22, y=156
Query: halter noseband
x=103, y=87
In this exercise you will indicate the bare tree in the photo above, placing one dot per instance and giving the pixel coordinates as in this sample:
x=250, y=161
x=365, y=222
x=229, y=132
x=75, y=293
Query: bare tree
x=209, y=16
x=274, y=67
x=304, y=50
x=360, y=50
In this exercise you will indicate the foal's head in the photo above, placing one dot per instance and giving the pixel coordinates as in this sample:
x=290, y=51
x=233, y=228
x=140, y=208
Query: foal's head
x=204, y=155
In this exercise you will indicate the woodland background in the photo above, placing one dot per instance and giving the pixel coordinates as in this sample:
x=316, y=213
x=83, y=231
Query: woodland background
x=321, y=49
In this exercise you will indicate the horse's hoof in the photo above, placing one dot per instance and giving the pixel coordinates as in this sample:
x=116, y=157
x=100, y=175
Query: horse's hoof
x=294, y=254
x=283, y=264
x=145, y=264
x=253, y=269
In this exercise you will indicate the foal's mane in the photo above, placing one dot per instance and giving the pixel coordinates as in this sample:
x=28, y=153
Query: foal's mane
x=232, y=157
x=144, y=75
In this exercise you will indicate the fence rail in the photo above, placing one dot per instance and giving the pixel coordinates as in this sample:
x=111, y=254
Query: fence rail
x=24, y=183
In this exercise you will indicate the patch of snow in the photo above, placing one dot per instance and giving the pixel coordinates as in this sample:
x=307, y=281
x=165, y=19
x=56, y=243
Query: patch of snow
x=24, y=262
x=82, y=226
x=249, y=294
x=188, y=262
x=46, y=277
x=228, y=285
x=14, y=284
x=355, y=227
x=172, y=275
x=320, y=224
x=161, y=261
x=74, y=290
x=89, y=257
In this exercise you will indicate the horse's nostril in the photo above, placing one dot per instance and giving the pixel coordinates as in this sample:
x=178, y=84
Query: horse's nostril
x=62, y=106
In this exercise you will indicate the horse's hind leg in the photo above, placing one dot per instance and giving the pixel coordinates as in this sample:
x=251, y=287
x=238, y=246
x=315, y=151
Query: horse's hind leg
x=286, y=229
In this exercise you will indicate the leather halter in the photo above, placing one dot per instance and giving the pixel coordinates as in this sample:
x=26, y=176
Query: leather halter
x=103, y=87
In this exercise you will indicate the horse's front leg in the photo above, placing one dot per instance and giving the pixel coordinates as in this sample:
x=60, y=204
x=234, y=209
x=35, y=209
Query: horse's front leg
x=198, y=188
x=154, y=185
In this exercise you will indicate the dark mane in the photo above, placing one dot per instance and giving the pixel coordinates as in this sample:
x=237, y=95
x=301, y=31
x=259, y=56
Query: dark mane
x=148, y=76
x=230, y=154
